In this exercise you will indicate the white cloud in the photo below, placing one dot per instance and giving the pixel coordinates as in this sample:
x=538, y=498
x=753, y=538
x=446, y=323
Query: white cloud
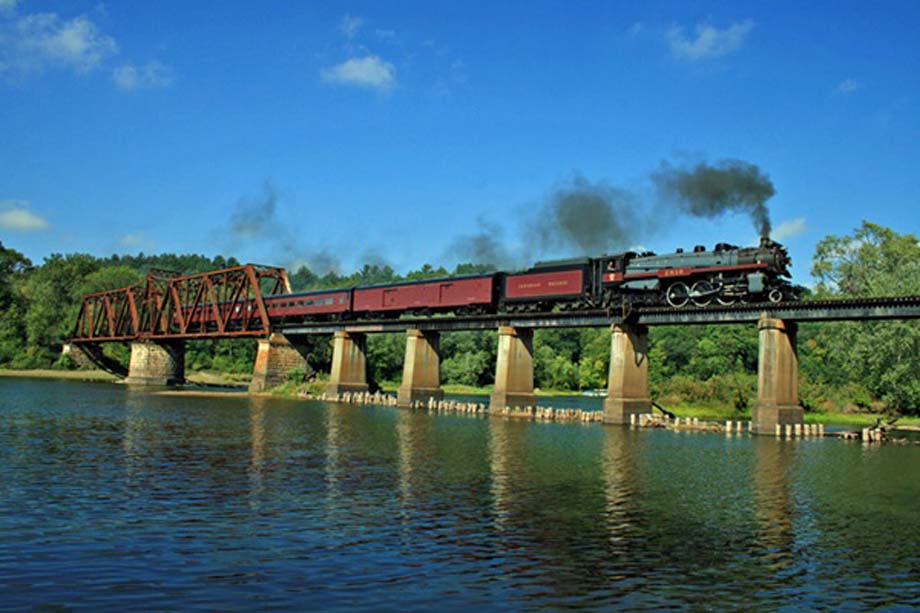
x=150, y=75
x=788, y=229
x=709, y=42
x=133, y=240
x=636, y=29
x=16, y=216
x=385, y=34
x=350, y=26
x=370, y=71
x=847, y=86
x=35, y=42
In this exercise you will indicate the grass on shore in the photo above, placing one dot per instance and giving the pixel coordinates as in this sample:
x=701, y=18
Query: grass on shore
x=724, y=413
x=47, y=373
x=200, y=378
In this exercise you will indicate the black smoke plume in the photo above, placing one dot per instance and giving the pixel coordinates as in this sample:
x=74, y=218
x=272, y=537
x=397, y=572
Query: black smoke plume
x=255, y=217
x=487, y=245
x=587, y=218
x=710, y=190
x=577, y=218
x=254, y=221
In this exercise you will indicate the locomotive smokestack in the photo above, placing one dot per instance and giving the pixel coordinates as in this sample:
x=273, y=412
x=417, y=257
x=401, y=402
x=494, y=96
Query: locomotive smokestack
x=710, y=190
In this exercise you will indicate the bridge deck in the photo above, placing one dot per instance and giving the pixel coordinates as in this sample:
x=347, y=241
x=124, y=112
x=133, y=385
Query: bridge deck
x=907, y=307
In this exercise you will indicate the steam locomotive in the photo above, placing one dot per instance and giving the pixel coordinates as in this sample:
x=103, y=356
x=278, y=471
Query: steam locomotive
x=725, y=275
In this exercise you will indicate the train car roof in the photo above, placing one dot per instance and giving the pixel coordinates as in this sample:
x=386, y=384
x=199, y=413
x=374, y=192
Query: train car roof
x=311, y=292
x=560, y=263
x=482, y=275
x=331, y=290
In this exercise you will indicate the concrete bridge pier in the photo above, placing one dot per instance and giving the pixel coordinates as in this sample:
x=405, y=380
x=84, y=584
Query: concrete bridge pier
x=421, y=378
x=275, y=358
x=777, y=377
x=514, y=369
x=157, y=363
x=349, y=363
x=627, y=386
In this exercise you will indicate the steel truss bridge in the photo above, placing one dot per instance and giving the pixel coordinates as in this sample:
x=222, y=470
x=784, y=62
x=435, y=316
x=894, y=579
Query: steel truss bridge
x=230, y=303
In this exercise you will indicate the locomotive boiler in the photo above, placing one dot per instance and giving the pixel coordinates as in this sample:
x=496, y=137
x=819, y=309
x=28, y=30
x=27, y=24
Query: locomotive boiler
x=725, y=274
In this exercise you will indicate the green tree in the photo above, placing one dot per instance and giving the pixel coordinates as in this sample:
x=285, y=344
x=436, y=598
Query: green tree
x=469, y=357
x=882, y=356
x=14, y=267
x=53, y=293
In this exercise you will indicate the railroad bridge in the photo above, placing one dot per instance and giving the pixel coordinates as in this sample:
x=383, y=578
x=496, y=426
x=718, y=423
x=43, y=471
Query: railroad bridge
x=158, y=316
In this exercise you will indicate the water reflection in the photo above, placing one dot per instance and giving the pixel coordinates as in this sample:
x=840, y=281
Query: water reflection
x=773, y=505
x=111, y=499
x=257, y=416
x=506, y=458
x=413, y=435
x=136, y=433
x=335, y=448
x=621, y=482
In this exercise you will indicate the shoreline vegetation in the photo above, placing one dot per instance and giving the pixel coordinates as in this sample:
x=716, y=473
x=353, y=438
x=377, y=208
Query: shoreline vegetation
x=704, y=411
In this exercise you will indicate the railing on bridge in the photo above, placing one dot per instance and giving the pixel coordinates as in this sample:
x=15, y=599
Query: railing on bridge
x=214, y=304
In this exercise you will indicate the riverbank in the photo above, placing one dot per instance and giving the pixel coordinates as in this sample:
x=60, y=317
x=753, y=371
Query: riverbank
x=240, y=381
x=72, y=375
x=195, y=378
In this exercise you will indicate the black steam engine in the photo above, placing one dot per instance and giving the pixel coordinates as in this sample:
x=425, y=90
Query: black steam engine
x=726, y=274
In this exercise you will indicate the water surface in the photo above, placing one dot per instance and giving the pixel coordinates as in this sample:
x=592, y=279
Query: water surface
x=115, y=498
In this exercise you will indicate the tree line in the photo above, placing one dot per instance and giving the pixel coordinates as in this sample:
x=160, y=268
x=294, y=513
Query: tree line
x=842, y=365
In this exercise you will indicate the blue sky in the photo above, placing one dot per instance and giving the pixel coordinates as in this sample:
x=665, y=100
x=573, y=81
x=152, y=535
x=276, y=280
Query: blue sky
x=396, y=131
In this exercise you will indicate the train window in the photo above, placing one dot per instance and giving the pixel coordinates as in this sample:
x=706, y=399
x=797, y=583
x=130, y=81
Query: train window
x=328, y=300
x=309, y=303
x=300, y=303
x=341, y=299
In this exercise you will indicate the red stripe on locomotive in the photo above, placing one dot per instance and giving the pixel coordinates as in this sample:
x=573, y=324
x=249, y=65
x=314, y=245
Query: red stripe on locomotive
x=533, y=285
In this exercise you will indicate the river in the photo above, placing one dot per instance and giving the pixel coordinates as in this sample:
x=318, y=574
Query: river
x=112, y=498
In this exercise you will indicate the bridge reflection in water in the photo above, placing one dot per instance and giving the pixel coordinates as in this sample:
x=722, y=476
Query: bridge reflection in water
x=773, y=505
x=111, y=498
x=616, y=512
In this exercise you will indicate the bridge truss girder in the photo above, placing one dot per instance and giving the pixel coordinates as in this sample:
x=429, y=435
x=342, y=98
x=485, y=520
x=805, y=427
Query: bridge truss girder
x=223, y=303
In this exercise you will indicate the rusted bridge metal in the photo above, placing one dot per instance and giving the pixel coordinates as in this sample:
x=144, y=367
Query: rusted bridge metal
x=222, y=303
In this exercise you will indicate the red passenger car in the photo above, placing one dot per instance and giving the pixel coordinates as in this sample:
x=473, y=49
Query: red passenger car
x=569, y=279
x=320, y=303
x=458, y=293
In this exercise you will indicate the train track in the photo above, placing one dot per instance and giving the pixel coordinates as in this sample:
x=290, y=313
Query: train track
x=850, y=309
